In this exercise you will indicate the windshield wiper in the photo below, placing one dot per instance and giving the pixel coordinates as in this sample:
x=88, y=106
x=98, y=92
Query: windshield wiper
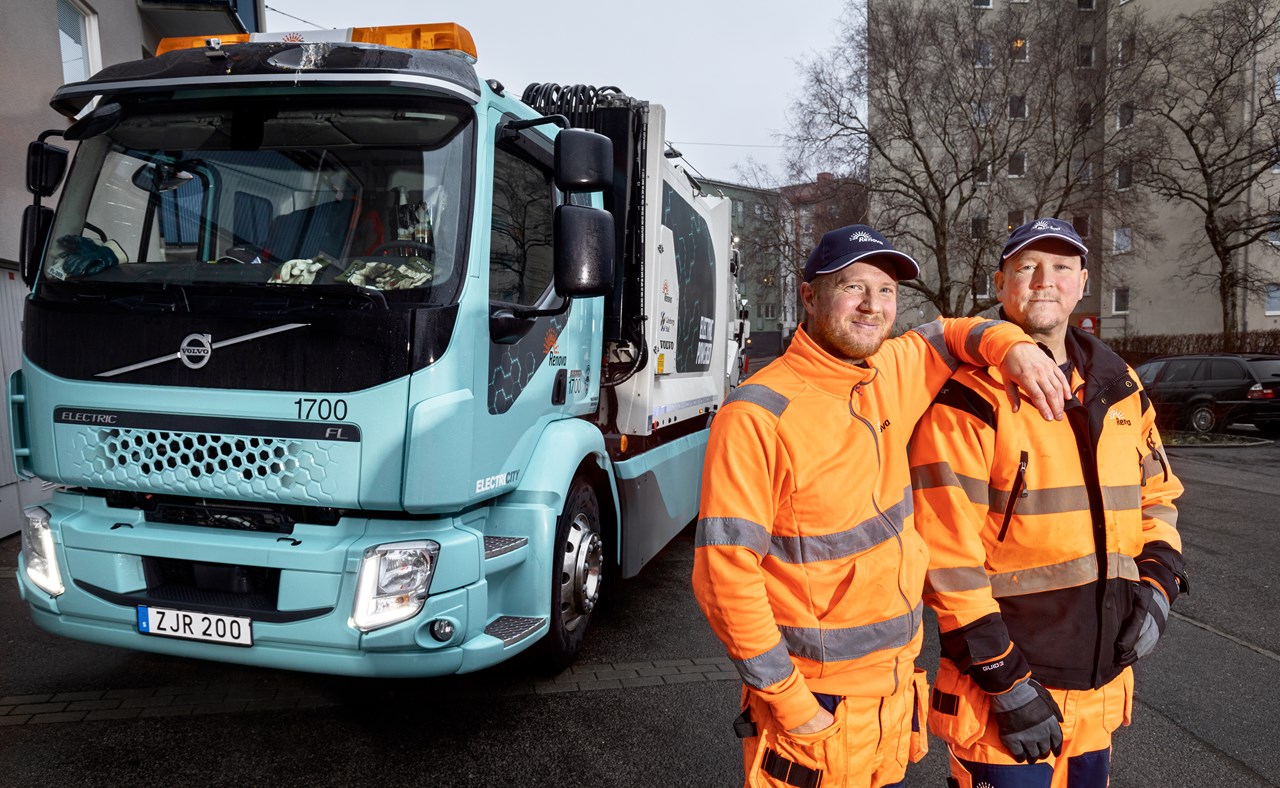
x=292, y=298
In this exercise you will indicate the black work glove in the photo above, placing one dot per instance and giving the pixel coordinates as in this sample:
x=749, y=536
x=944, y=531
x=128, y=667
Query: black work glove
x=82, y=257
x=1142, y=630
x=1028, y=719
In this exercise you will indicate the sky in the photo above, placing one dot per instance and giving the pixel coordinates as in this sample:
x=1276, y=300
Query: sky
x=727, y=72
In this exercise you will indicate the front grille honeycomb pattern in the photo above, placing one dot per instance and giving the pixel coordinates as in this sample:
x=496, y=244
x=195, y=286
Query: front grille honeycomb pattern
x=284, y=469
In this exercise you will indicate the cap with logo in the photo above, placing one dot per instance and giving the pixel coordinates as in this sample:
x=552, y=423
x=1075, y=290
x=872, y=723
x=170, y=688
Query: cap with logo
x=1042, y=230
x=841, y=248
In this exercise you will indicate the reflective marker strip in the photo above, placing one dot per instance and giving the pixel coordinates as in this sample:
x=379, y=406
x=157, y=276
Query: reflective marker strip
x=1166, y=513
x=765, y=669
x=838, y=645
x=760, y=395
x=959, y=578
x=1068, y=574
x=732, y=531
x=940, y=474
x=933, y=334
x=973, y=342
x=860, y=538
x=1060, y=500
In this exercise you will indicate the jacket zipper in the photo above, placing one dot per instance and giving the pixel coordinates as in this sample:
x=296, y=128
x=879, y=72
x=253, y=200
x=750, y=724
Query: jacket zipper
x=1019, y=488
x=902, y=552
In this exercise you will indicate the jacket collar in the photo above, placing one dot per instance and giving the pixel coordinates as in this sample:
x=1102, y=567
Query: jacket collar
x=823, y=370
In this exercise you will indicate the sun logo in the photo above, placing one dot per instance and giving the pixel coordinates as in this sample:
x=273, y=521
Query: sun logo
x=549, y=342
x=1043, y=225
x=666, y=288
x=293, y=38
x=865, y=238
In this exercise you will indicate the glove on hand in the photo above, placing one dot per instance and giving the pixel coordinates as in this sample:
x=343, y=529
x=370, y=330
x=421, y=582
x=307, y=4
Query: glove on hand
x=80, y=256
x=1141, y=632
x=1028, y=717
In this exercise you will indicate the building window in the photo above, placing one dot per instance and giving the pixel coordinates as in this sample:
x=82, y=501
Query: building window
x=1018, y=107
x=1273, y=234
x=981, y=112
x=978, y=226
x=769, y=311
x=1084, y=56
x=1127, y=50
x=1018, y=50
x=1081, y=224
x=1124, y=176
x=1122, y=240
x=1273, y=299
x=78, y=38
x=982, y=172
x=1124, y=114
x=1084, y=5
x=982, y=287
x=982, y=53
x=981, y=3
x=1081, y=169
x=1016, y=219
x=1084, y=114
x=1276, y=88
x=1120, y=301
x=1275, y=160
x=1017, y=165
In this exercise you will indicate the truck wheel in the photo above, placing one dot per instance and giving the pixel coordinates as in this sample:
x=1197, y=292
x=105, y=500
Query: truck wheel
x=577, y=572
x=1202, y=418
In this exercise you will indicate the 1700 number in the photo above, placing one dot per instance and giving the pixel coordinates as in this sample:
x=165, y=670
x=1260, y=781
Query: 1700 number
x=323, y=409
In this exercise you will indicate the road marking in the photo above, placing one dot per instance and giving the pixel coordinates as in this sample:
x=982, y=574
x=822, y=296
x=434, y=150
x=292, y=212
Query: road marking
x=7, y=572
x=125, y=704
x=1271, y=655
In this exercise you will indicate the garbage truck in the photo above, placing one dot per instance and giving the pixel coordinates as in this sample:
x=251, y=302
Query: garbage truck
x=341, y=359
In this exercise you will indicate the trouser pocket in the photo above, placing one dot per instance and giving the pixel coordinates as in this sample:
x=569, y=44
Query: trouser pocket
x=1117, y=701
x=919, y=716
x=957, y=707
x=793, y=759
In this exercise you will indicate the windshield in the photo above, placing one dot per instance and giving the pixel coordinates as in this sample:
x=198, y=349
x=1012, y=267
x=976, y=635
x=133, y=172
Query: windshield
x=293, y=195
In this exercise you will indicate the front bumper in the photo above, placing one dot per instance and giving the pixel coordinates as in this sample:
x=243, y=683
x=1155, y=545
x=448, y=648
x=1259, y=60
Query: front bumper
x=104, y=554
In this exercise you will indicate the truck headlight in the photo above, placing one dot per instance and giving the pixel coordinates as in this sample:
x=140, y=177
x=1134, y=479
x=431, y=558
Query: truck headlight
x=392, y=583
x=38, y=551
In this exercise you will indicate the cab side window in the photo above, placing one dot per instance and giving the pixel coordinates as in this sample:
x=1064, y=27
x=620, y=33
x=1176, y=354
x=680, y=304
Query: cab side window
x=520, y=250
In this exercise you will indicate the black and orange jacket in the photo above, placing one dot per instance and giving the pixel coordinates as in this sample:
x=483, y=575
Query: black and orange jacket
x=806, y=563
x=1040, y=532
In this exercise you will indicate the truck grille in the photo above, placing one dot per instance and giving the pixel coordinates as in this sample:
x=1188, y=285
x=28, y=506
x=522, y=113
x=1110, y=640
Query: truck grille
x=189, y=463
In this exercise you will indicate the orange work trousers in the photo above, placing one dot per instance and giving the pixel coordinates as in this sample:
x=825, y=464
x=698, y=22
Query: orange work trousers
x=961, y=717
x=868, y=745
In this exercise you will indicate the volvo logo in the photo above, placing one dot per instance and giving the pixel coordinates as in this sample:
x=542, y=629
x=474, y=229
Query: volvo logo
x=195, y=350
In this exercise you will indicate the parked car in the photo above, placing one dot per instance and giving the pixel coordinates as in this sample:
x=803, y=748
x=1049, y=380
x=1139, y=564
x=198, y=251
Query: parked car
x=1209, y=391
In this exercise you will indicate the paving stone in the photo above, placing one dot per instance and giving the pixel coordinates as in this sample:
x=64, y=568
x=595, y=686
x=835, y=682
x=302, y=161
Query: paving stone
x=728, y=675
x=12, y=720
x=130, y=693
x=631, y=665
x=600, y=685
x=545, y=689
x=684, y=678
x=667, y=671
x=167, y=711
x=94, y=705
x=112, y=714
x=40, y=708
x=5, y=710
x=231, y=707
x=277, y=704
x=615, y=674
x=62, y=716
x=145, y=703
x=668, y=663
x=643, y=681
x=78, y=695
x=711, y=661
x=16, y=700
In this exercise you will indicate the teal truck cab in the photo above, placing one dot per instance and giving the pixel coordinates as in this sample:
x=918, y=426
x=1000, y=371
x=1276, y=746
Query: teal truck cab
x=347, y=361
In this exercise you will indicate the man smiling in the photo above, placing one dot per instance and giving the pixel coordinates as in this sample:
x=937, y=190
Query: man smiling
x=1053, y=549
x=807, y=563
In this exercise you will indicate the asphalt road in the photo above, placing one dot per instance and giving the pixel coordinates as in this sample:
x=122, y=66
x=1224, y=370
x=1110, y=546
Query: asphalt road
x=648, y=704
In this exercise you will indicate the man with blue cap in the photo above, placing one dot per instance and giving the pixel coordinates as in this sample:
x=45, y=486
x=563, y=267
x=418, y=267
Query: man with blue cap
x=1053, y=548
x=807, y=563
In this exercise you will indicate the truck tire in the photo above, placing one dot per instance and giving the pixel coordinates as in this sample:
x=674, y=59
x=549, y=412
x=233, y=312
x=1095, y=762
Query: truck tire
x=576, y=575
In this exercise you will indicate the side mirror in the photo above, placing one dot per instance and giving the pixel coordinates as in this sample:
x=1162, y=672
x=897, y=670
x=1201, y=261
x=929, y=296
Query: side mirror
x=583, y=251
x=46, y=164
x=37, y=221
x=584, y=161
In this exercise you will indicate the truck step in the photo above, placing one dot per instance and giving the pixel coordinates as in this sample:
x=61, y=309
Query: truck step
x=512, y=629
x=495, y=546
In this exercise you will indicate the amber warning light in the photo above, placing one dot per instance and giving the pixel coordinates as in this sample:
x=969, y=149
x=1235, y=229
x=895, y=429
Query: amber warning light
x=441, y=37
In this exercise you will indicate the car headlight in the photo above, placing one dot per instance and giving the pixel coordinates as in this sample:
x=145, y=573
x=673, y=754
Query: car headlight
x=392, y=583
x=38, y=551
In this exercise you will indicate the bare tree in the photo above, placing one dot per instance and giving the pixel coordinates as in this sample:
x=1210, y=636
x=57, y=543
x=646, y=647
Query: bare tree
x=963, y=113
x=1216, y=98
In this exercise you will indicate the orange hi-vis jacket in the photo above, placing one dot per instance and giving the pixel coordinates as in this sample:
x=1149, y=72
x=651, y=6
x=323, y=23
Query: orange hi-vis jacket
x=1040, y=532
x=806, y=563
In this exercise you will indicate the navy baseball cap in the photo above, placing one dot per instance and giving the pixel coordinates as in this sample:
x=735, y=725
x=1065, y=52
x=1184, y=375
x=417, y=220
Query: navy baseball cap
x=1042, y=229
x=841, y=248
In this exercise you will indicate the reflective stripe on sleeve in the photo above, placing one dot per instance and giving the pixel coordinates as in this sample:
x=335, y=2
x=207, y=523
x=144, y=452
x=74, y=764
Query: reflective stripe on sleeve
x=958, y=578
x=1151, y=467
x=974, y=340
x=860, y=538
x=1068, y=574
x=837, y=645
x=940, y=474
x=933, y=334
x=760, y=395
x=1059, y=500
x=765, y=669
x=733, y=531
x=1164, y=513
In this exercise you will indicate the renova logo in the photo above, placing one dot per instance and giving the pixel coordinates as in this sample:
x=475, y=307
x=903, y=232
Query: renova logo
x=195, y=350
x=866, y=238
x=1043, y=225
x=293, y=38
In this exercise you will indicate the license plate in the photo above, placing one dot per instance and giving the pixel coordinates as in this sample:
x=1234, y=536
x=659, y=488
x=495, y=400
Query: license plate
x=195, y=626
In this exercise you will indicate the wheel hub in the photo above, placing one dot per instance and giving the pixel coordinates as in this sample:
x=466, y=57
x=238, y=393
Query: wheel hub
x=581, y=572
